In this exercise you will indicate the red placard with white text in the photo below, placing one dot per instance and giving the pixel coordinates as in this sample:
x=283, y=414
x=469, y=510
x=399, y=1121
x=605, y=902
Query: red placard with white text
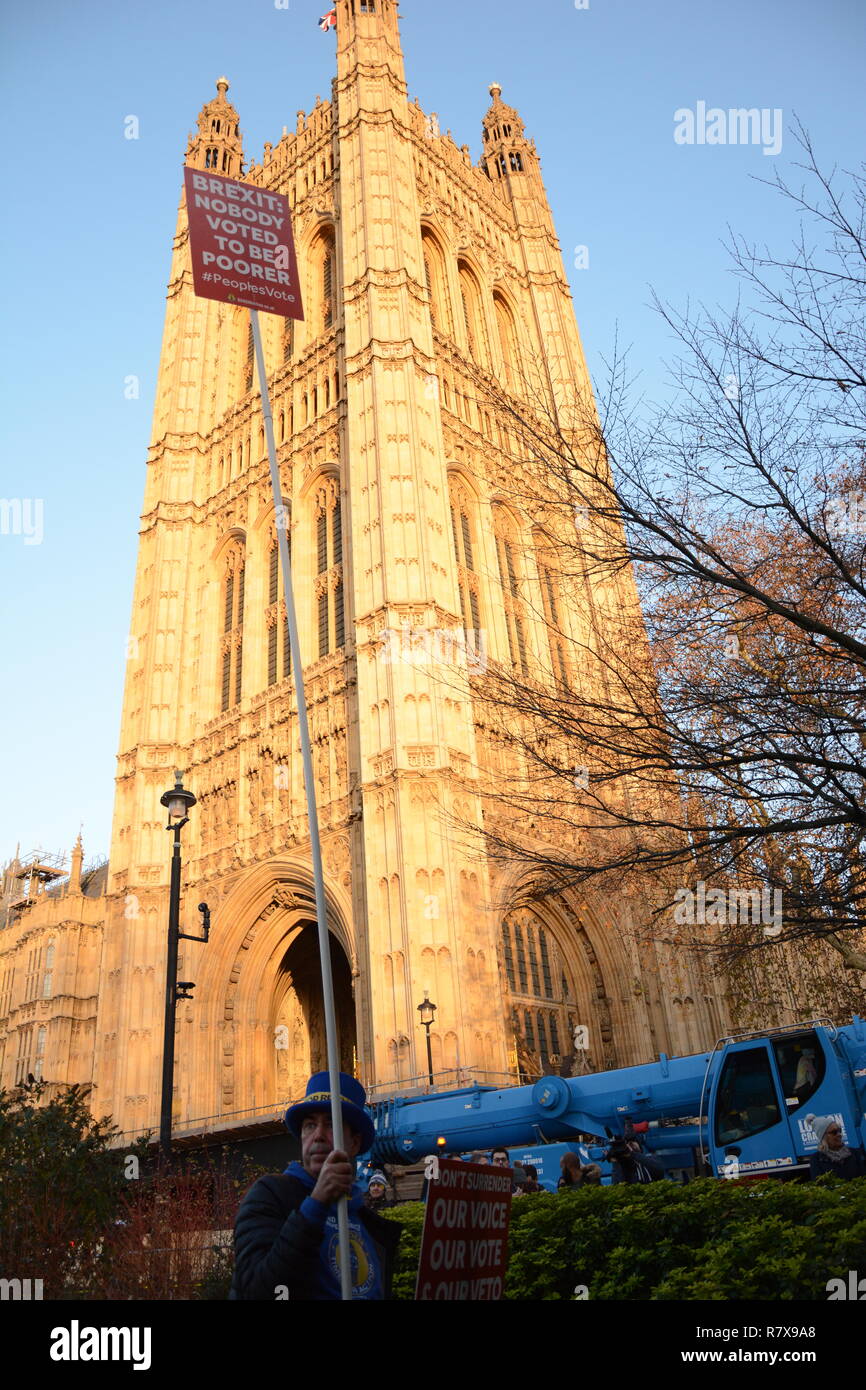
x=464, y=1248
x=241, y=242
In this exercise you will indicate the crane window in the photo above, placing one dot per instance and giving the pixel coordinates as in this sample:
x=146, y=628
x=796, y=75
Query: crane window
x=802, y=1066
x=747, y=1100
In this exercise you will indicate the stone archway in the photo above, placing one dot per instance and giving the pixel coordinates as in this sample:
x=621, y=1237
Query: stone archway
x=299, y=1015
x=267, y=995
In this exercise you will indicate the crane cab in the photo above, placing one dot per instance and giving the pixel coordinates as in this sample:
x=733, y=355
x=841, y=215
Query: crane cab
x=763, y=1087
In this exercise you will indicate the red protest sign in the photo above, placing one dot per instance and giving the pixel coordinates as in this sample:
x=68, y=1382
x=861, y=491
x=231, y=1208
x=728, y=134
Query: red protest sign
x=464, y=1248
x=241, y=242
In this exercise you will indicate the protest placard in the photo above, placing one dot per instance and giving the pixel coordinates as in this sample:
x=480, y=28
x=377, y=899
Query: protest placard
x=241, y=243
x=464, y=1247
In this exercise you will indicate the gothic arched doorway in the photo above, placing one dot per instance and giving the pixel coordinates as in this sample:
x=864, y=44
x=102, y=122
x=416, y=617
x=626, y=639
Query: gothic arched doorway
x=299, y=1014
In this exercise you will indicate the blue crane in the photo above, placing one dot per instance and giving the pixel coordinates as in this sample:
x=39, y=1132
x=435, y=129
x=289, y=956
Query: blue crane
x=743, y=1105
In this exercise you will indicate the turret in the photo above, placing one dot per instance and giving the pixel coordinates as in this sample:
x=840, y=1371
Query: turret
x=74, y=884
x=507, y=151
x=218, y=144
x=511, y=161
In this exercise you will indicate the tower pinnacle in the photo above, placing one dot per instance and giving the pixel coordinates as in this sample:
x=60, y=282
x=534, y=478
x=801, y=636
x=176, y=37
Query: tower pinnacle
x=218, y=144
x=506, y=148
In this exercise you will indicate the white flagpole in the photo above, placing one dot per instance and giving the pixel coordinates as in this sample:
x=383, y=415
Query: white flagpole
x=312, y=815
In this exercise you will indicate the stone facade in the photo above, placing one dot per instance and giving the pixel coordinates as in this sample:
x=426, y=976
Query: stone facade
x=418, y=266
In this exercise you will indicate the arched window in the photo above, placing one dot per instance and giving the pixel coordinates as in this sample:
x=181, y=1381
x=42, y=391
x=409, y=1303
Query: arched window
x=8, y=981
x=329, y=568
x=428, y=276
x=512, y=600
x=47, y=979
x=324, y=259
x=288, y=339
x=551, y=600
x=232, y=644
x=464, y=551
x=328, y=289
x=539, y=1008
x=33, y=977
x=40, y=1053
x=276, y=622
x=543, y=1044
x=511, y=372
x=472, y=318
x=436, y=280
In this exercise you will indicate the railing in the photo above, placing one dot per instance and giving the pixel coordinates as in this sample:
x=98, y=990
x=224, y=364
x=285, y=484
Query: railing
x=209, y=1124
x=449, y=1080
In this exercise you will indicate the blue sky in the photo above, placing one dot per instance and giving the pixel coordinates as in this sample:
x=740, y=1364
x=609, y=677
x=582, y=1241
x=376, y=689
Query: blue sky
x=87, y=242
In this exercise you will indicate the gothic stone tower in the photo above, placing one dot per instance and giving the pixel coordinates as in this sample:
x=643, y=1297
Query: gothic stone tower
x=416, y=263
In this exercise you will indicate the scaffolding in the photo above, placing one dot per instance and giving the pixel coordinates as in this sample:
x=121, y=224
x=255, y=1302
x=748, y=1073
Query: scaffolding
x=26, y=880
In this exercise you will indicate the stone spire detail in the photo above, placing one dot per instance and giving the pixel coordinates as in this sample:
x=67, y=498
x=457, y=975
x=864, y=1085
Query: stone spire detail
x=74, y=884
x=506, y=149
x=218, y=144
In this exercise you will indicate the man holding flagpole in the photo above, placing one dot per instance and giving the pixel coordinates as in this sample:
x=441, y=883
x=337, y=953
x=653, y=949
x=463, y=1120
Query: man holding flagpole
x=286, y=1233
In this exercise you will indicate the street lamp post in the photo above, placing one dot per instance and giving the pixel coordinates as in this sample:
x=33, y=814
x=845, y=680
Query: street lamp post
x=428, y=1014
x=178, y=802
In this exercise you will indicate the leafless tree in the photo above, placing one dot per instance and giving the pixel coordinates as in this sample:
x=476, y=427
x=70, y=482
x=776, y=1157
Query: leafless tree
x=700, y=715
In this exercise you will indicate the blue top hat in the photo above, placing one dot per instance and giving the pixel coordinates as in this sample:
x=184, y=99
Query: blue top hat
x=353, y=1099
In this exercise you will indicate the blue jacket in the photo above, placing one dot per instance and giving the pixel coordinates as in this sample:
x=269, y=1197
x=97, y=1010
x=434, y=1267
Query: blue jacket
x=276, y=1245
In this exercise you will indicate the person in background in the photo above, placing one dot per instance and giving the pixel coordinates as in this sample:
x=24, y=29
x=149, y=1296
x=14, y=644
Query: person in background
x=530, y=1183
x=572, y=1173
x=499, y=1158
x=631, y=1164
x=376, y=1197
x=833, y=1155
x=807, y=1076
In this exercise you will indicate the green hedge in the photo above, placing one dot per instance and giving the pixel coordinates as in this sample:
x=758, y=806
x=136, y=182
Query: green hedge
x=707, y=1240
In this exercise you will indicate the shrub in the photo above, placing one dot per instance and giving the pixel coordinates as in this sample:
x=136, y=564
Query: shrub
x=708, y=1240
x=59, y=1189
x=71, y=1216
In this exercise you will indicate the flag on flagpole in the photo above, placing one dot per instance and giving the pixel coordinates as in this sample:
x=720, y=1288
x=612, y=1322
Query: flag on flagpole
x=328, y=21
